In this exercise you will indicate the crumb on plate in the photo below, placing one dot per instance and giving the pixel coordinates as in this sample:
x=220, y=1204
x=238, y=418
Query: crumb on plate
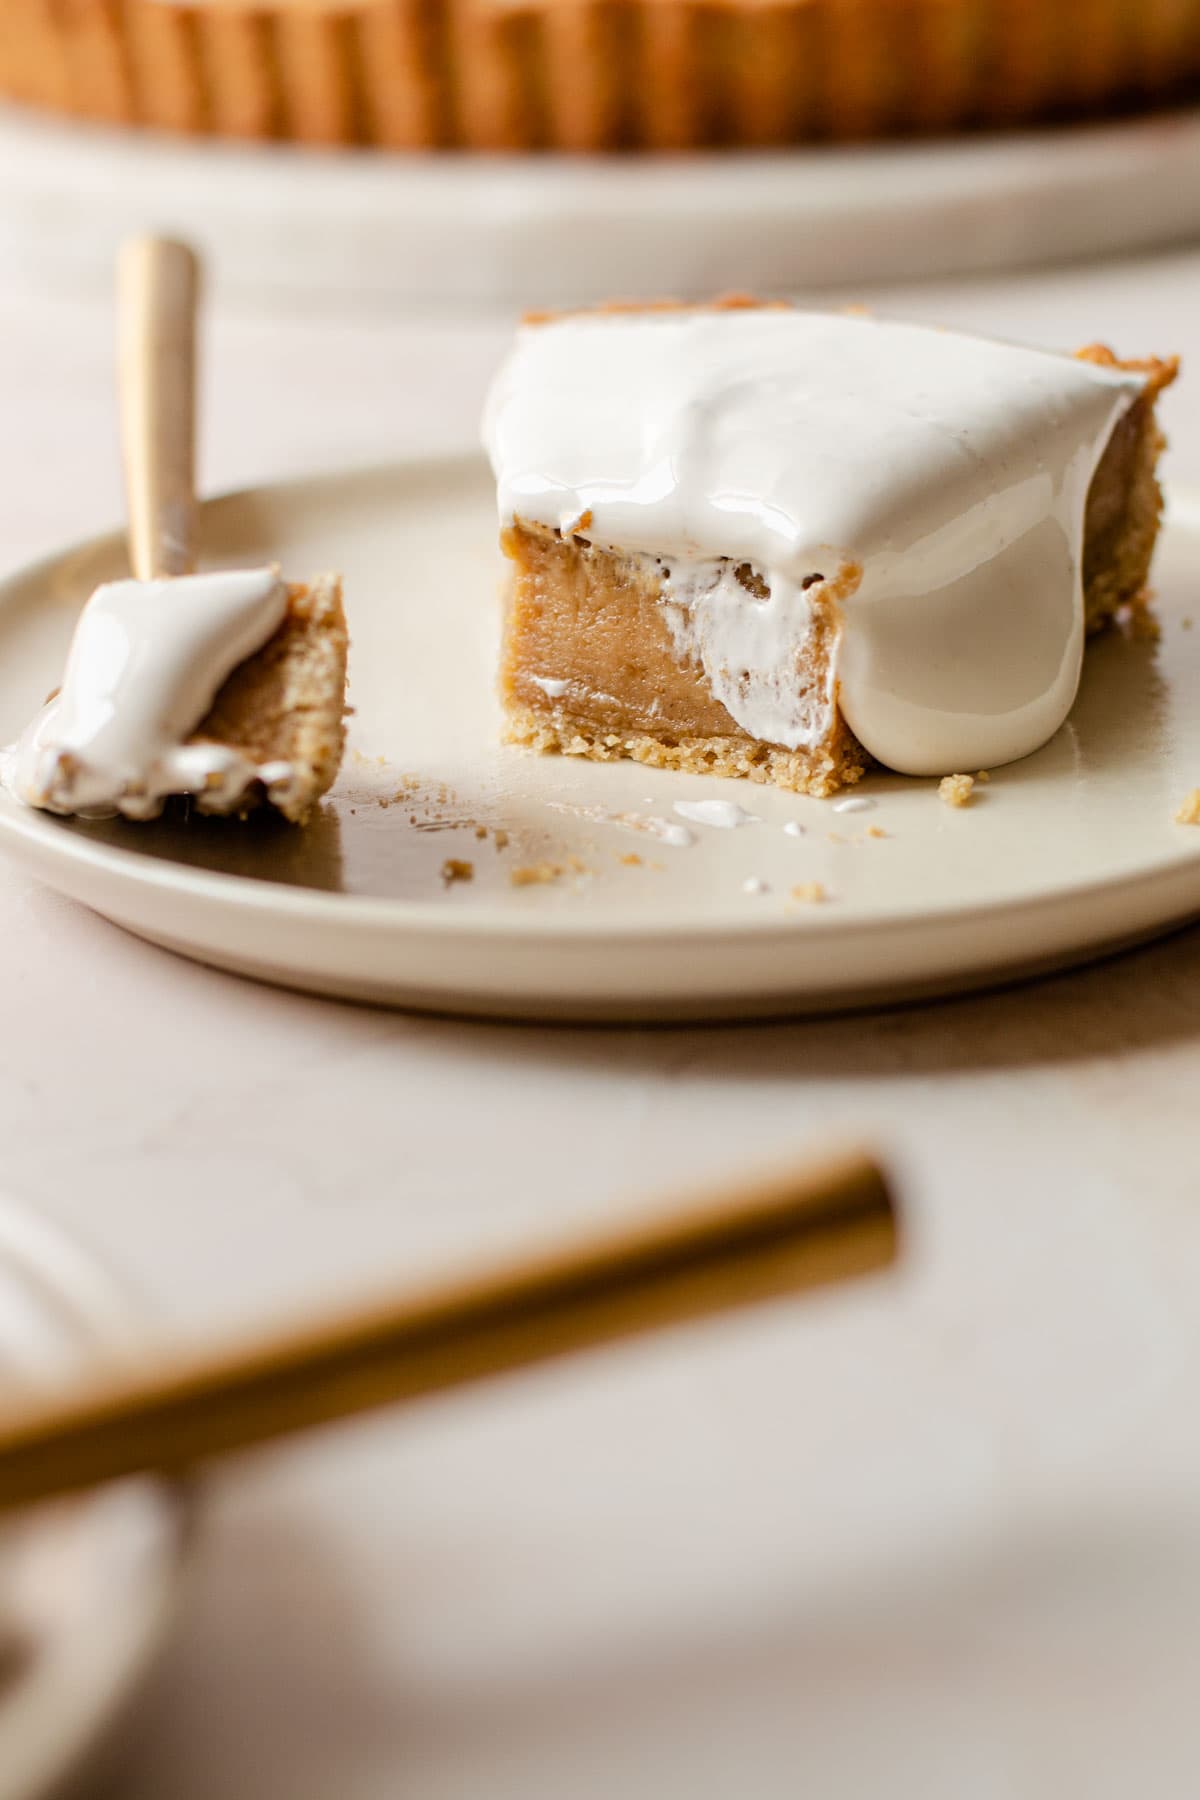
x=456, y=869
x=810, y=892
x=1189, y=812
x=1140, y=619
x=956, y=790
x=536, y=874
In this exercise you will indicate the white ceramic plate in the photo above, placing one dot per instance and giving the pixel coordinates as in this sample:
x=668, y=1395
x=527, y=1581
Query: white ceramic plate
x=1065, y=855
x=288, y=227
x=87, y=1586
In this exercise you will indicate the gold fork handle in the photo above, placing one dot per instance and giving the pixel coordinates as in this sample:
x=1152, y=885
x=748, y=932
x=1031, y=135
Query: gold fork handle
x=802, y=1229
x=157, y=286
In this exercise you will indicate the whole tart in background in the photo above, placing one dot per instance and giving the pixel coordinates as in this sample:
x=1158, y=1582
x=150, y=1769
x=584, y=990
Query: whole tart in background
x=593, y=74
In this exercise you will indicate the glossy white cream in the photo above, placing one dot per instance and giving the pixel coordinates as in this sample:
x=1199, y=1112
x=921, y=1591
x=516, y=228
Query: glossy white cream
x=722, y=815
x=145, y=665
x=939, y=480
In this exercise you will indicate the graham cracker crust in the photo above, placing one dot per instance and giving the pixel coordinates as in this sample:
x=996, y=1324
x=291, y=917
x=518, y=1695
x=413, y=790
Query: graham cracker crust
x=287, y=703
x=821, y=772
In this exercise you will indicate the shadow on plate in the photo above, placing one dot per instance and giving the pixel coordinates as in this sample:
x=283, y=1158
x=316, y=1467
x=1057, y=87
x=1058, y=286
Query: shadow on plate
x=264, y=846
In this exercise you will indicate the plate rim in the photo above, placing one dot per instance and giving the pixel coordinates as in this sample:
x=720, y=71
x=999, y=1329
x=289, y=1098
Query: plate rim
x=56, y=841
x=374, y=913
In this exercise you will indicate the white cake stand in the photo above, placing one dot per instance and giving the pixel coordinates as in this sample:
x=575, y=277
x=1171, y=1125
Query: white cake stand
x=304, y=228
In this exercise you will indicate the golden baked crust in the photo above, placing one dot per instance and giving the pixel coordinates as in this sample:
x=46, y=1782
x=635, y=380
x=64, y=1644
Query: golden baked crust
x=287, y=703
x=596, y=617
x=821, y=772
x=1124, y=501
x=593, y=74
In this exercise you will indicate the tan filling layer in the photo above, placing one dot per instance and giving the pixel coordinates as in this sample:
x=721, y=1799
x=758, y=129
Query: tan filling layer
x=596, y=619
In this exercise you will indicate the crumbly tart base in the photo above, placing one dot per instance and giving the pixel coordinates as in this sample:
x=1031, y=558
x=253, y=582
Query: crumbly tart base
x=1125, y=500
x=595, y=617
x=593, y=74
x=287, y=703
x=821, y=772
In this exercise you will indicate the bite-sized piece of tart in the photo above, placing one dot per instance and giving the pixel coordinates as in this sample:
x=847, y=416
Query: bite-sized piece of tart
x=751, y=540
x=228, y=687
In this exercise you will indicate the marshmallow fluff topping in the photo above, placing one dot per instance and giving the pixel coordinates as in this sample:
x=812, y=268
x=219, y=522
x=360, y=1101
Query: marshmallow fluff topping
x=932, y=486
x=145, y=665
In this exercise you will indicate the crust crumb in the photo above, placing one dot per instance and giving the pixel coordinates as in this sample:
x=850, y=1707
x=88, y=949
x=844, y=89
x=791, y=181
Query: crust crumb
x=983, y=776
x=811, y=893
x=536, y=874
x=956, y=790
x=1140, y=620
x=876, y=831
x=632, y=860
x=455, y=869
x=1189, y=812
x=500, y=838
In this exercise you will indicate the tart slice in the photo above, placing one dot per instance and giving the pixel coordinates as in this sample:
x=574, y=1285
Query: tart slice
x=761, y=542
x=227, y=687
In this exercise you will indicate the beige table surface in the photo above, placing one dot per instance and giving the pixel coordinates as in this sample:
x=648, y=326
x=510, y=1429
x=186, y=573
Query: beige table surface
x=934, y=1537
